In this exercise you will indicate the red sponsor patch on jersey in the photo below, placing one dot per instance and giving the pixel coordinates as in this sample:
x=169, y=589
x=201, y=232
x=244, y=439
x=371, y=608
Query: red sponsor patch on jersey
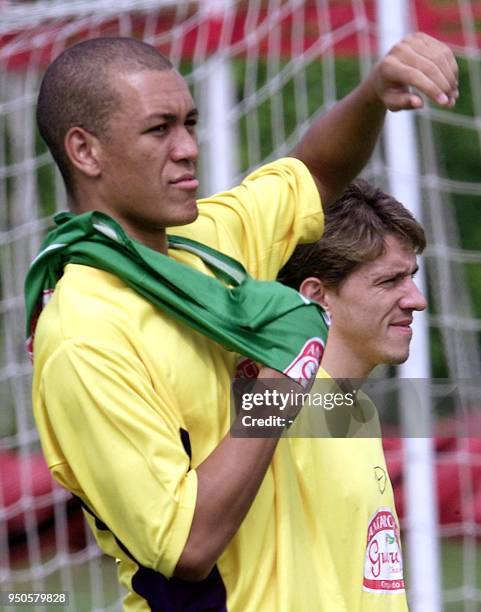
x=246, y=368
x=383, y=565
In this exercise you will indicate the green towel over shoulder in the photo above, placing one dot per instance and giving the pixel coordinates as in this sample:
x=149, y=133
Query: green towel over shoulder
x=271, y=324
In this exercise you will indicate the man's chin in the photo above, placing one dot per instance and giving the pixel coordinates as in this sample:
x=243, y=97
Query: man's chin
x=397, y=359
x=189, y=215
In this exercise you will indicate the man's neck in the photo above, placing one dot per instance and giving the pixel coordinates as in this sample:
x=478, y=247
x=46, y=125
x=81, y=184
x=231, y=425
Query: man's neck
x=343, y=364
x=154, y=238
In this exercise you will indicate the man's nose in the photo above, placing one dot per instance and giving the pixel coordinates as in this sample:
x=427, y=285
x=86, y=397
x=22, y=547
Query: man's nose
x=412, y=298
x=185, y=146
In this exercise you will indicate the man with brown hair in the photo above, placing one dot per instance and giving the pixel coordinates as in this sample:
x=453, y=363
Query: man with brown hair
x=361, y=271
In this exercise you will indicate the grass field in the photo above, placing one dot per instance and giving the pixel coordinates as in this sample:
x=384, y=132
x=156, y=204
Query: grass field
x=459, y=570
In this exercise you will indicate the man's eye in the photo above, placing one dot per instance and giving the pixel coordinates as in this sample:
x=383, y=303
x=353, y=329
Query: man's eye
x=191, y=123
x=159, y=129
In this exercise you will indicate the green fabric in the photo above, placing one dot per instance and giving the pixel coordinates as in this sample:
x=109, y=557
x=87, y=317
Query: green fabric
x=264, y=321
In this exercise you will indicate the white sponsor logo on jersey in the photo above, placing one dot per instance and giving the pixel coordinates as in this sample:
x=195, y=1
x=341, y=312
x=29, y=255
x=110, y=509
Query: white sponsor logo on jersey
x=383, y=565
x=304, y=367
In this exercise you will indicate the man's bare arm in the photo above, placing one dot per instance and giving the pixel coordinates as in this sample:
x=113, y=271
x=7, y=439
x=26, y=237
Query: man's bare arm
x=338, y=145
x=228, y=481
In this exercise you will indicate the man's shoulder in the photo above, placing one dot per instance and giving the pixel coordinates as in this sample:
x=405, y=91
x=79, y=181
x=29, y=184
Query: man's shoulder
x=260, y=221
x=283, y=166
x=96, y=310
x=91, y=292
x=88, y=303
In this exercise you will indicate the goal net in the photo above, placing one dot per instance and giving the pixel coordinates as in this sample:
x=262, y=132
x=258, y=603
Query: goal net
x=260, y=71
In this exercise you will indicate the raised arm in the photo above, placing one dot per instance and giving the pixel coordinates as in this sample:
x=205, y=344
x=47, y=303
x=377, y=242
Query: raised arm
x=338, y=145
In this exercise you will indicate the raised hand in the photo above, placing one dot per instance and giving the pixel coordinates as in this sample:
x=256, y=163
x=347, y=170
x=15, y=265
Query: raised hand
x=419, y=61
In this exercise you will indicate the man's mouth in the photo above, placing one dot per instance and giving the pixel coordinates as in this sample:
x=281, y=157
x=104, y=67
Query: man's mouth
x=185, y=181
x=403, y=325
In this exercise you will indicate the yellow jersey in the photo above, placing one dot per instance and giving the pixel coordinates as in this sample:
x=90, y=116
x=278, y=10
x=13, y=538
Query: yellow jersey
x=128, y=403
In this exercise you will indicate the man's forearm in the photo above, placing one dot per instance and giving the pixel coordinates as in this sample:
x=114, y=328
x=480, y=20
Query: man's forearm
x=228, y=481
x=339, y=144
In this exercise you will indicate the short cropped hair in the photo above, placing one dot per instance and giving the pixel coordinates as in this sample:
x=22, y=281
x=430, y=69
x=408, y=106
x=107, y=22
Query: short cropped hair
x=78, y=89
x=356, y=227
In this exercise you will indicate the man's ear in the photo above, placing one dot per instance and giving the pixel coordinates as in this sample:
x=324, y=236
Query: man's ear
x=83, y=150
x=315, y=289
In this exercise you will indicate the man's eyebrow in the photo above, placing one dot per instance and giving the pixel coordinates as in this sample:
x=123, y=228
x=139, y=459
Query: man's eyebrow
x=395, y=273
x=192, y=114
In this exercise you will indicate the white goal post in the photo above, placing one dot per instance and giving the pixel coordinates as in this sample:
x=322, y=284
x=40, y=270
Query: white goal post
x=261, y=71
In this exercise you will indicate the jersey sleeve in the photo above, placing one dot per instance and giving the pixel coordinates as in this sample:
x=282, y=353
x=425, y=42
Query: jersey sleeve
x=123, y=448
x=261, y=221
